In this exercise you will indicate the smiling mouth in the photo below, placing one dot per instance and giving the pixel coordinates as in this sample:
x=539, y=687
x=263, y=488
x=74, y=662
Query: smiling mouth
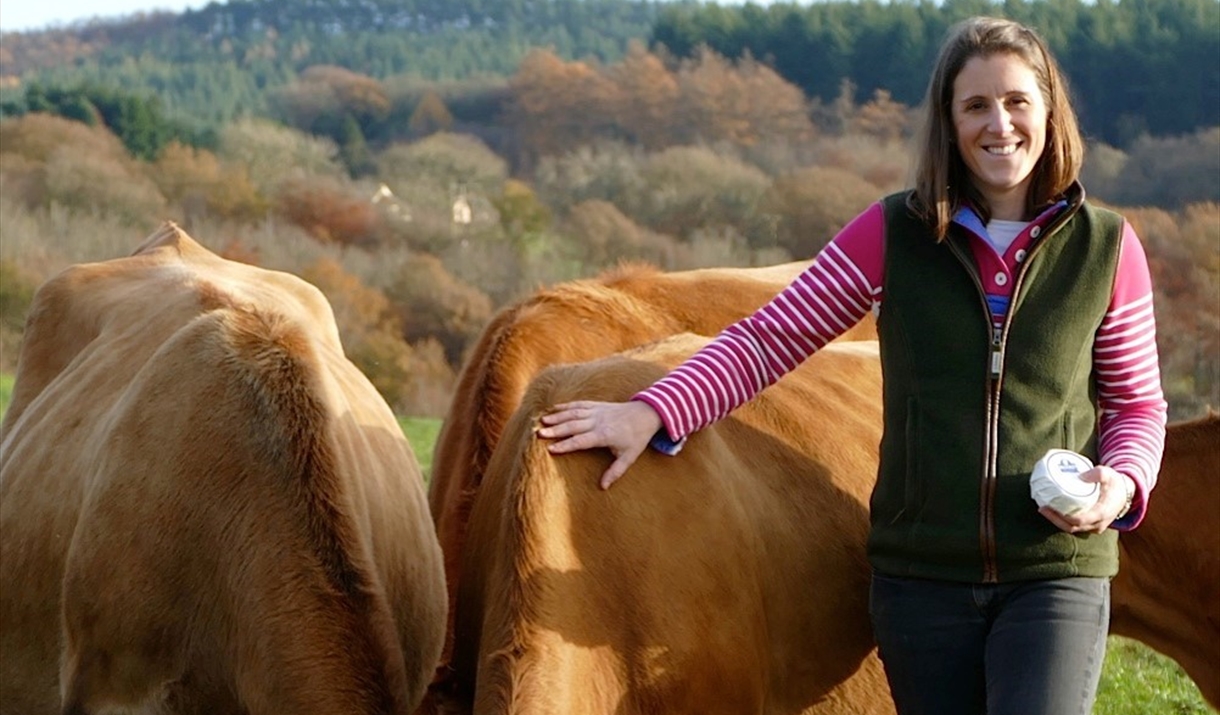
x=1005, y=150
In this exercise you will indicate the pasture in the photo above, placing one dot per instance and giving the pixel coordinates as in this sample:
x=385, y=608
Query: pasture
x=1135, y=680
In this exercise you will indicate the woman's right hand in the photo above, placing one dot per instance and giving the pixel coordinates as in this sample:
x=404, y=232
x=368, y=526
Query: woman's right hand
x=625, y=428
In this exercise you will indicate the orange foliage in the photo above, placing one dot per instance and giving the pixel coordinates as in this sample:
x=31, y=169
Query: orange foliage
x=17, y=287
x=359, y=93
x=182, y=170
x=882, y=117
x=329, y=213
x=26, y=53
x=430, y=381
x=646, y=98
x=50, y=160
x=199, y=183
x=24, y=179
x=46, y=159
x=740, y=103
x=557, y=105
x=236, y=250
x=37, y=136
x=328, y=91
x=430, y=115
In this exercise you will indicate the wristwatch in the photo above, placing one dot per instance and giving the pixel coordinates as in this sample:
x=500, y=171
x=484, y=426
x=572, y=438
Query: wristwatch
x=1129, y=486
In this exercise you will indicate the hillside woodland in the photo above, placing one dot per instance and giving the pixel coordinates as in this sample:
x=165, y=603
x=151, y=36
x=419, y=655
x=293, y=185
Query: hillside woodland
x=422, y=201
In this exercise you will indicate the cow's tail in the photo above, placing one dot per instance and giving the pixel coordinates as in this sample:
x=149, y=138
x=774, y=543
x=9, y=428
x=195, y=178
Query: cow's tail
x=535, y=583
x=519, y=477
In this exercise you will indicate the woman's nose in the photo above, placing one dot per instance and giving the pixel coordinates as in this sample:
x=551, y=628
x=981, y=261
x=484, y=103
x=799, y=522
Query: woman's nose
x=1000, y=120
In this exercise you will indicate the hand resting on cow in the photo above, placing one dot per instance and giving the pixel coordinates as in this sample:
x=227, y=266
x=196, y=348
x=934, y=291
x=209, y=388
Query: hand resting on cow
x=625, y=428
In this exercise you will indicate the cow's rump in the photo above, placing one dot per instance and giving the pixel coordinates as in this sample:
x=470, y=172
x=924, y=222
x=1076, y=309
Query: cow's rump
x=729, y=579
x=205, y=507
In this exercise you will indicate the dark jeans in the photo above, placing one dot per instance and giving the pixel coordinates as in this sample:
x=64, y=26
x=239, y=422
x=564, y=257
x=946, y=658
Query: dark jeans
x=1029, y=648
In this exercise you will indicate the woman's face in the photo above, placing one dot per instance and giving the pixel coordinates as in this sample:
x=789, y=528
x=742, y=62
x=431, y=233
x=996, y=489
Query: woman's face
x=999, y=116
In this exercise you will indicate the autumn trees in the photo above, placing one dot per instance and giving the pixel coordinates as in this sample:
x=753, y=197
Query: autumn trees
x=557, y=106
x=422, y=207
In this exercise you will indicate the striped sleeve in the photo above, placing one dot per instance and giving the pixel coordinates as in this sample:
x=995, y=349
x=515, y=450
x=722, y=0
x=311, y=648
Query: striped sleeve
x=832, y=295
x=1133, y=408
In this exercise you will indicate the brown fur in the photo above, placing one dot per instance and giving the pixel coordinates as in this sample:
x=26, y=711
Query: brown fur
x=1167, y=592
x=574, y=322
x=729, y=579
x=205, y=507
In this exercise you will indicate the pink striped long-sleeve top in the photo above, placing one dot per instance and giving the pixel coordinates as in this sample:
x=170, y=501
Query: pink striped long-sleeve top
x=845, y=281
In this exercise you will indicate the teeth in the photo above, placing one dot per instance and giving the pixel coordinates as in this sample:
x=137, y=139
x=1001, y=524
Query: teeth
x=1002, y=150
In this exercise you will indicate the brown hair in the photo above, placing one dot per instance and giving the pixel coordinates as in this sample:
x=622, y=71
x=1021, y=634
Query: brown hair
x=942, y=181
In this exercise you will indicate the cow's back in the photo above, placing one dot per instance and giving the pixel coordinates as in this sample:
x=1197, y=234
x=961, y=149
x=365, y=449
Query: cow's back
x=212, y=501
x=729, y=579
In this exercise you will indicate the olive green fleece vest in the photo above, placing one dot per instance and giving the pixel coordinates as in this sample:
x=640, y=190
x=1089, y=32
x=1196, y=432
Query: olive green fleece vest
x=952, y=499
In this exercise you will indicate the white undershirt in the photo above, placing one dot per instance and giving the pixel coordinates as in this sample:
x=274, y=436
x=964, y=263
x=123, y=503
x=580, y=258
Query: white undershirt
x=1003, y=233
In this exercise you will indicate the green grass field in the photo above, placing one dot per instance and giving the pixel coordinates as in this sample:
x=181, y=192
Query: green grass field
x=6, y=391
x=1135, y=680
x=421, y=432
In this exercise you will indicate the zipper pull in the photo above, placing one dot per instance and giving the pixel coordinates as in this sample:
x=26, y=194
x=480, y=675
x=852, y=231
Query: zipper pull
x=997, y=351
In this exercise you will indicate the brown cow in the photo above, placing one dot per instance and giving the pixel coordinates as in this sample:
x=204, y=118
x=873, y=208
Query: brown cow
x=1167, y=592
x=732, y=578
x=204, y=507
x=574, y=322
x=729, y=579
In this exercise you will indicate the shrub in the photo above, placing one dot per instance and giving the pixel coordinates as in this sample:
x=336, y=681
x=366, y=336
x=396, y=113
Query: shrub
x=197, y=183
x=431, y=304
x=684, y=189
x=606, y=171
x=37, y=136
x=1170, y=172
x=430, y=115
x=16, y=293
x=605, y=236
x=55, y=161
x=721, y=100
x=96, y=183
x=452, y=161
x=426, y=178
x=883, y=162
x=274, y=154
x=813, y=204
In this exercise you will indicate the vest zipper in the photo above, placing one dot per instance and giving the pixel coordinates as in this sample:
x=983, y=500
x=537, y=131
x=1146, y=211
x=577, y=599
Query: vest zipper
x=987, y=546
x=997, y=350
x=995, y=378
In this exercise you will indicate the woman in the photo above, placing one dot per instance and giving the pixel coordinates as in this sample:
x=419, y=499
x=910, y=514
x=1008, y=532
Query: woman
x=1014, y=317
